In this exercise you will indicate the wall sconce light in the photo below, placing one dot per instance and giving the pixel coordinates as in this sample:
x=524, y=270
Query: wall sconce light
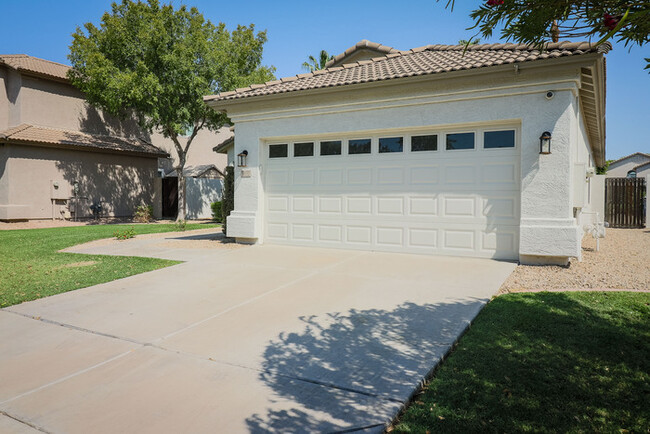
x=545, y=143
x=241, y=158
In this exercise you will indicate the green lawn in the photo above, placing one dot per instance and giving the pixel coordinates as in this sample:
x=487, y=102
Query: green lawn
x=31, y=267
x=545, y=362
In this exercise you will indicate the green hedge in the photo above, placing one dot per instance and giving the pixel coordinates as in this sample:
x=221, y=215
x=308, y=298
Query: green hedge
x=216, y=211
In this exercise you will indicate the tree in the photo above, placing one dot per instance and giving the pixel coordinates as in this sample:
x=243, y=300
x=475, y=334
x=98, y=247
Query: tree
x=156, y=63
x=314, y=64
x=537, y=22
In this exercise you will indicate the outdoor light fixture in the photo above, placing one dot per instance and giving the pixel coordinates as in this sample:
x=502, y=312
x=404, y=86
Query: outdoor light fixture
x=545, y=143
x=241, y=158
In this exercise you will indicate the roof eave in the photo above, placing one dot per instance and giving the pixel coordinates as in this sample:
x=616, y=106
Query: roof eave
x=9, y=140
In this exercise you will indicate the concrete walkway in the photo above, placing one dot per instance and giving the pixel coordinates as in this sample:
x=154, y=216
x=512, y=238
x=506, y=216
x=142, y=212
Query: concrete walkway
x=263, y=338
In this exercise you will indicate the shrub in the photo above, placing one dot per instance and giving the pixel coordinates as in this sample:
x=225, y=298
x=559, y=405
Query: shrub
x=228, y=197
x=181, y=225
x=216, y=211
x=143, y=214
x=125, y=234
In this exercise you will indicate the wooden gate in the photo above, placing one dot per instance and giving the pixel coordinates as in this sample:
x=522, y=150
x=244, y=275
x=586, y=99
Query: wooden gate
x=625, y=202
x=169, y=197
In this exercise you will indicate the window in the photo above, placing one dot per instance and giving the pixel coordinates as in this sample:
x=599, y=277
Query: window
x=460, y=141
x=499, y=139
x=360, y=146
x=303, y=149
x=278, y=151
x=331, y=147
x=424, y=143
x=631, y=174
x=391, y=144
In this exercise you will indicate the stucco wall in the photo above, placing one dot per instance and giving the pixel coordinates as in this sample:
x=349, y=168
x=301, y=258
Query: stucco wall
x=548, y=226
x=119, y=182
x=620, y=169
x=201, y=192
x=200, y=151
x=4, y=103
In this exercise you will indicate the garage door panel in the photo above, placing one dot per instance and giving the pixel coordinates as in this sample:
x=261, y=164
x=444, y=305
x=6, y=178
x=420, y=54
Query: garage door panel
x=441, y=202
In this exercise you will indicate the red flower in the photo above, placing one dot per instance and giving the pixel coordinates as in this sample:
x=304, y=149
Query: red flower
x=494, y=2
x=610, y=22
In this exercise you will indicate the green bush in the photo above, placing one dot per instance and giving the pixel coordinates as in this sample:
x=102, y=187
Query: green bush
x=180, y=225
x=143, y=214
x=216, y=211
x=228, y=197
x=125, y=234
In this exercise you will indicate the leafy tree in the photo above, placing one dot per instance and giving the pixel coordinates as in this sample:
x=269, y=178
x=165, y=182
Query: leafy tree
x=156, y=63
x=603, y=169
x=471, y=41
x=314, y=64
x=536, y=22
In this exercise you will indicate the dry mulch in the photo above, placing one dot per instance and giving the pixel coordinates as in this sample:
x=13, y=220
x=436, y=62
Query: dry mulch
x=623, y=262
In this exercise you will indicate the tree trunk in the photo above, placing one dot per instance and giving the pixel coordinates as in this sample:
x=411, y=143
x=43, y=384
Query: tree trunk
x=181, y=191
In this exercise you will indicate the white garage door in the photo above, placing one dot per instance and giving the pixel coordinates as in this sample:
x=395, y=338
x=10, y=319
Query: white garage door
x=438, y=192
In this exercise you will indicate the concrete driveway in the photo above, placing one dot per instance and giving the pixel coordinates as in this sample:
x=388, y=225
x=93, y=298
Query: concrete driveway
x=262, y=338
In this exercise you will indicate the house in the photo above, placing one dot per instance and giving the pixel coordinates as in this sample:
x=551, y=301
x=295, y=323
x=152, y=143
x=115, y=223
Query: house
x=50, y=136
x=59, y=157
x=433, y=150
x=634, y=164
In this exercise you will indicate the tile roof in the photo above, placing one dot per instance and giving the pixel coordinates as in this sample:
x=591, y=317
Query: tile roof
x=362, y=45
x=222, y=147
x=427, y=60
x=194, y=171
x=642, y=154
x=23, y=62
x=31, y=134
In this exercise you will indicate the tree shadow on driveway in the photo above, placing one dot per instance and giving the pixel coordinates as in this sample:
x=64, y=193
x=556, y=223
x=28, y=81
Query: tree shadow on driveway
x=367, y=362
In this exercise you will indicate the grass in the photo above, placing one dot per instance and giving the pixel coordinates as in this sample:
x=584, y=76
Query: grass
x=544, y=362
x=31, y=266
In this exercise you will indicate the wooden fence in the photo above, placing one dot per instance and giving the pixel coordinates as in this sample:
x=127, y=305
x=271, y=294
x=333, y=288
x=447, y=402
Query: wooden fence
x=625, y=202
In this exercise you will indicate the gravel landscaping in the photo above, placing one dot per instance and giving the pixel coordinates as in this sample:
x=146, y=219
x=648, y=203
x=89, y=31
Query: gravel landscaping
x=623, y=262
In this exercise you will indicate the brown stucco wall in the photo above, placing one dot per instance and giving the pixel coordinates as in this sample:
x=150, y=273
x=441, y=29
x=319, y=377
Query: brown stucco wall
x=4, y=104
x=119, y=182
x=200, y=151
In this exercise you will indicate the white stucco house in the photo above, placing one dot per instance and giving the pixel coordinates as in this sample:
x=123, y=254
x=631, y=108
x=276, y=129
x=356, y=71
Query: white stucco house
x=431, y=150
x=637, y=163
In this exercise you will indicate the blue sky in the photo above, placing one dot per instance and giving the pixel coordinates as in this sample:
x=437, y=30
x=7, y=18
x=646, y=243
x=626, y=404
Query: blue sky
x=297, y=29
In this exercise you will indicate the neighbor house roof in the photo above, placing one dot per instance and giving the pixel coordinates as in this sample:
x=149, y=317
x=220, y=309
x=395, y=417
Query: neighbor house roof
x=363, y=45
x=195, y=171
x=427, y=60
x=643, y=166
x=35, y=135
x=641, y=154
x=34, y=65
x=222, y=148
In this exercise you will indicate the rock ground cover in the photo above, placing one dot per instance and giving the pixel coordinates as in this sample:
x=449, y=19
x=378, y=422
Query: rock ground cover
x=623, y=262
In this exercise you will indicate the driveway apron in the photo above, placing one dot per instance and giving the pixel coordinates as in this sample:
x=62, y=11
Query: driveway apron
x=255, y=339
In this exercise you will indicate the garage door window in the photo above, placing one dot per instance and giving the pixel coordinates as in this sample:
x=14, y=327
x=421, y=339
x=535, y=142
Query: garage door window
x=391, y=144
x=460, y=141
x=359, y=146
x=332, y=147
x=499, y=139
x=303, y=149
x=424, y=143
x=278, y=151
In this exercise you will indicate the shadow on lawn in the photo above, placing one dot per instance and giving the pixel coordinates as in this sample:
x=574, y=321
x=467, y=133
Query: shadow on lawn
x=379, y=356
x=544, y=362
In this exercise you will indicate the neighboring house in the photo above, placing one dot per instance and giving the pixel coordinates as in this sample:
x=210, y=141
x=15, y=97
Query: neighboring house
x=434, y=150
x=203, y=184
x=59, y=157
x=636, y=163
x=37, y=93
x=227, y=147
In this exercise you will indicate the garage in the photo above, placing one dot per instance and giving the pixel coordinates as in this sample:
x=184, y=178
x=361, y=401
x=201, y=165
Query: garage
x=453, y=192
x=484, y=151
